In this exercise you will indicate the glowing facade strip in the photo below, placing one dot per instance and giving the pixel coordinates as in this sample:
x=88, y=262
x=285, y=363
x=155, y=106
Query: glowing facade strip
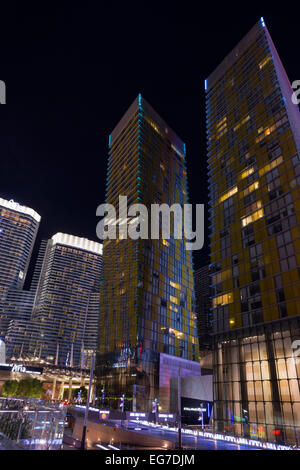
x=15, y=206
x=222, y=437
x=77, y=242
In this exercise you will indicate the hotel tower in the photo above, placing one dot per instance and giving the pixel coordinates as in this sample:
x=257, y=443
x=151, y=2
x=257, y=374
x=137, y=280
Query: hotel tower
x=253, y=131
x=147, y=323
x=60, y=327
x=18, y=229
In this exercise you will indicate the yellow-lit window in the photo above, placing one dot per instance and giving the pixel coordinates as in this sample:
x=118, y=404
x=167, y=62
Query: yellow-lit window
x=174, y=300
x=247, y=172
x=165, y=242
x=243, y=121
x=223, y=276
x=251, y=188
x=264, y=62
x=253, y=217
x=221, y=129
x=175, y=284
x=230, y=193
x=270, y=166
x=253, y=207
x=223, y=299
x=221, y=123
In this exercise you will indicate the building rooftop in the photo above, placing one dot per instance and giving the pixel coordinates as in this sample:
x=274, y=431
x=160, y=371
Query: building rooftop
x=15, y=206
x=77, y=242
x=231, y=58
x=158, y=124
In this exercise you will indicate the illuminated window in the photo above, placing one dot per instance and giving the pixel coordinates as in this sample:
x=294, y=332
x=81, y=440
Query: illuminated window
x=264, y=62
x=270, y=166
x=174, y=300
x=221, y=129
x=221, y=123
x=175, y=284
x=243, y=121
x=223, y=299
x=253, y=217
x=230, y=193
x=251, y=188
x=247, y=172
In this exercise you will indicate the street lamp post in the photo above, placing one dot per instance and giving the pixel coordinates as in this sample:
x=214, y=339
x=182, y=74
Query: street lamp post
x=245, y=417
x=154, y=409
x=202, y=416
x=179, y=409
x=20, y=427
x=82, y=447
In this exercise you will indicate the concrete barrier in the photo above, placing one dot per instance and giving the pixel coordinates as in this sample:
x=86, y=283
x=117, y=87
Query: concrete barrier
x=101, y=433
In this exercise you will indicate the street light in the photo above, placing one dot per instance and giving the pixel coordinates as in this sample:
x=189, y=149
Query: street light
x=245, y=416
x=201, y=417
x=82, y=447
x=122, y=402
x=155, y=405
x=179, y=408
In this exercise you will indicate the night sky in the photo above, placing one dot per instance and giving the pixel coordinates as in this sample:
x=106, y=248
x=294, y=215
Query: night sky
x=71, y=73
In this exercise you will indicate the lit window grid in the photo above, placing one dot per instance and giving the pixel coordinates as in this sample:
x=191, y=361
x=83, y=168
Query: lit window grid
x=243, y=379
x=140, y=274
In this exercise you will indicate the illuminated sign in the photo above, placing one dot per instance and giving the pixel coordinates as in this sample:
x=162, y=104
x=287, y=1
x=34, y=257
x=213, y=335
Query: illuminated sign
x=103, y=414
x=194, y=409
x=140, y=415
x=20, y=368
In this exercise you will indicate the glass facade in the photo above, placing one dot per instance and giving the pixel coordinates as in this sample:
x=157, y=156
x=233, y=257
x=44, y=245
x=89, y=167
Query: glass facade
x=63, y=325
x=147, y=291
x=254, y=170
x=18, y=230
x=203, y=304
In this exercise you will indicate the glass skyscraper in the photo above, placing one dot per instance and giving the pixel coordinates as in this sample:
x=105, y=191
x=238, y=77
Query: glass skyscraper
x=254, y=170
x=203, y=304
x=18, y=229
x=147, y=324
x=63, y=323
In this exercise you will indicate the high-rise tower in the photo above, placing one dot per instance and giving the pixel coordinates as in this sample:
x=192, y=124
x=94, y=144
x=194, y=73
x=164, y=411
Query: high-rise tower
x=203, y=307
x=147, y=325
x=62, y=328
x=18, y=230
x=254, y=169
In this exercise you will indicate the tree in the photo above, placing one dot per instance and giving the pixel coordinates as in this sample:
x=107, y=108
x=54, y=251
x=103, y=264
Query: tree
x=31, y=388
x=10, y=388
x=37, y=390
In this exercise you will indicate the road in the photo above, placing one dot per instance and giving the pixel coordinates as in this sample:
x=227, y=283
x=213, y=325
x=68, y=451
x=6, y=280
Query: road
x=188, y=441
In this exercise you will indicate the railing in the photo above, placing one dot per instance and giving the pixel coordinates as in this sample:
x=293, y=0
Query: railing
x=32, y=423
